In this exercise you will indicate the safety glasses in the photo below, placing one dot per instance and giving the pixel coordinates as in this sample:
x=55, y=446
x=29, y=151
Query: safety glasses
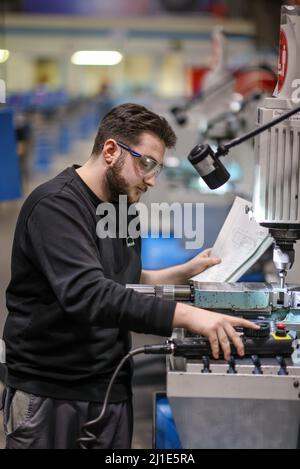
x=148, y=165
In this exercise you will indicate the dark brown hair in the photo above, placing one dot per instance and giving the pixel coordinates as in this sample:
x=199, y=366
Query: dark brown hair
x=128, y=121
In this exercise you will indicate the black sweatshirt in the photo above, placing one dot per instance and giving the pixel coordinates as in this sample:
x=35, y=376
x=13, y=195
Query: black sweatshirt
x=69, y=313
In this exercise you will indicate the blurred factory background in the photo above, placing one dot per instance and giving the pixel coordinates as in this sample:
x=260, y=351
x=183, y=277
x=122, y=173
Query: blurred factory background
x=203, y=64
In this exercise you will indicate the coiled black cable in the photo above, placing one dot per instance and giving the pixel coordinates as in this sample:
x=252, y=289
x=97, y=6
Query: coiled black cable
x=88, y=437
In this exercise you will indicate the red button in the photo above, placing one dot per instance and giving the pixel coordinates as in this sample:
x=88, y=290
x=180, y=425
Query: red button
x=282, y=327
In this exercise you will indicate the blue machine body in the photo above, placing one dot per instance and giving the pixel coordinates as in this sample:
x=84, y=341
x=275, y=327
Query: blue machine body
x=165, y=432
x=10, y=178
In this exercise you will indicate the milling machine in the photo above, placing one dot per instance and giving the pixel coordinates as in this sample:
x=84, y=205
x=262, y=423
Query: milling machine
x=252, y=402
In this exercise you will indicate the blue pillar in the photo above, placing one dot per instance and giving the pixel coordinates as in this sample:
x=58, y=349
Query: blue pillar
x=64, y=139
x=44, y=152
x=10, y=178
x=165, y=431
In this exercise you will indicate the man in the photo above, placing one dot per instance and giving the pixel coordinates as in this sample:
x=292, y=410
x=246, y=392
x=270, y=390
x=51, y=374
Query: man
x=69, y=313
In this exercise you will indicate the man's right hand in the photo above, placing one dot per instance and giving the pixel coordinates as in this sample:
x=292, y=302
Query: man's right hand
x=218, y=328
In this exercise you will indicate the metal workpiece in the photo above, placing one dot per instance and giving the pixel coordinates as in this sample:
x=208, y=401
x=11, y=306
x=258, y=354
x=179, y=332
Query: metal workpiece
x=148, y=290
x=174, y=292
x=167, y=292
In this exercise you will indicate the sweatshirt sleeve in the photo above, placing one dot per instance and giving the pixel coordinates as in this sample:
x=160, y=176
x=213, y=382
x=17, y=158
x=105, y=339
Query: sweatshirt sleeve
x=64, y=248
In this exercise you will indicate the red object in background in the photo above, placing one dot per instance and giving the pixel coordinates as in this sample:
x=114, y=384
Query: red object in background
x=283, y=60
x=219, y=9
x=248, y=82
x=195, y=79
x=245, y=82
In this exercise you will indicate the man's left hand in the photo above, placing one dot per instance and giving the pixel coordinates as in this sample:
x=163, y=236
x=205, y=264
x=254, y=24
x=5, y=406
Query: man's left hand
x=202, y=262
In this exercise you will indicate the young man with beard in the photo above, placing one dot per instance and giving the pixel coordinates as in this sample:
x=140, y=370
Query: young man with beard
x=69, y=312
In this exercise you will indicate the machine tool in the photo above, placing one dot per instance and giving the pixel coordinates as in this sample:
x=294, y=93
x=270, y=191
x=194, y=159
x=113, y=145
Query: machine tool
x=252, y=402
x=276, y=191
x=217, y=90
x=248, y=403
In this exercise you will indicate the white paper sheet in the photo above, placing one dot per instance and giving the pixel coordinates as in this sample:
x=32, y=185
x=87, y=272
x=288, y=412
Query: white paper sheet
x=240, y=243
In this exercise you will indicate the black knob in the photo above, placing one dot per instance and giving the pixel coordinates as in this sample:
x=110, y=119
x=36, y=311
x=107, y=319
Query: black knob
x=257, y=365
x=206, y=364
x=232, y=366
x=264, y=331
x=283, y=367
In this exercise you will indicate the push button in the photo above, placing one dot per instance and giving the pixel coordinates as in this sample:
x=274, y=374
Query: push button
x=281, y=330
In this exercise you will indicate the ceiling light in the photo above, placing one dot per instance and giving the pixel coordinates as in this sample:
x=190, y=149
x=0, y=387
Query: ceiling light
x=4, y=54
x=87, y=57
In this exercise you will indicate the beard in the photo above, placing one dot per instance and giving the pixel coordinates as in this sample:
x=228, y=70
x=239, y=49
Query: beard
x=117, y=185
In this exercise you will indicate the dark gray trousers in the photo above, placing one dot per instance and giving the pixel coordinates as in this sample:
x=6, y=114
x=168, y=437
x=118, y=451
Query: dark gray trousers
x=32, y=422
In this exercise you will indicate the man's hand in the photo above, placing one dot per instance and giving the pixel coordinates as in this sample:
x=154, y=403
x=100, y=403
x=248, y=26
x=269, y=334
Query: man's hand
x=180, y=274
x=218, y=328
x=202, y=262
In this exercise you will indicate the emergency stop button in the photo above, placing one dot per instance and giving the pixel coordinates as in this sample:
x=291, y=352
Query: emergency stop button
x=281, y=330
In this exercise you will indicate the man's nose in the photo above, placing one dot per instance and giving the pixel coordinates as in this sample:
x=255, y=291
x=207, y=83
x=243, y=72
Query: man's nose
x=150, y=180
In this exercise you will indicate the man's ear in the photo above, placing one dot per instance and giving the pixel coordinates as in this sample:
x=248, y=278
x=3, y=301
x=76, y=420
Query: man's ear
x=111, y=151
